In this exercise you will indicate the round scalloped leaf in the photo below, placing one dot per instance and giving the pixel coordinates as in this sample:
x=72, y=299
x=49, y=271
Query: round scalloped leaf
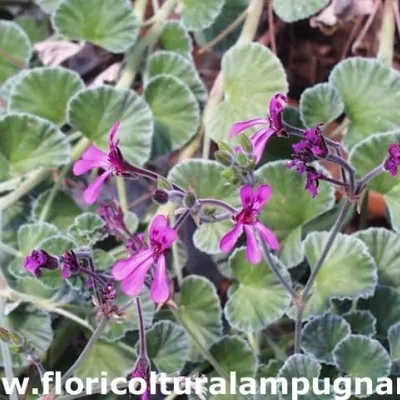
x=320, y=104
x=87, y=229
x=362, y=322
x=362, y=357
x=102, y=259
x=366, y=156
x=347, y=258
x=200, y=313
x=176, y=65
x=167, y=346
x=15, y=47
x=48, y=6
x=35, y=326
x=231, y=10
x=233, y=354
x=110, y=24
x=175, y=110
x=45, y=92
x=116, y=330
x=62, y=212
x=385, y=307
x=280, y=214
x=295, y=10
x=250, y=71
x=106, y=358
x=258, y=288
x=30, y=235
x=370, y=91
x=301, y=366
x=94, y=112
x=28, y=142
x=198, y=15
x=394, y=346
x=320, y=336
x=383, y=246
x=204, y=177
x=174, y=37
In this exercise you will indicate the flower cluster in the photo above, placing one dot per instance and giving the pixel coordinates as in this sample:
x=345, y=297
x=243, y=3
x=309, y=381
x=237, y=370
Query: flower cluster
x=38, y=260
x=392, y=162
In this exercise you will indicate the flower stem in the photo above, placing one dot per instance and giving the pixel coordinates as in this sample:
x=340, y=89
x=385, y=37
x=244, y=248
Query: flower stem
x=122, y=196
x=274, y=267
x=90, y=344
x=387, y=34
x=368, y=177
x=142, y=330
x=218, y=203
x=298, y=327
x=5, y=351
x=334, y=158
x=335, y=230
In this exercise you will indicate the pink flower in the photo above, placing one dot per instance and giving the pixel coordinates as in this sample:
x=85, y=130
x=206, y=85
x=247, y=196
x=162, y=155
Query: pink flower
x=392, y=162
x=111, y=162
x=38, y=260
x=274, y=125
x=134, y=270
x=253, y=202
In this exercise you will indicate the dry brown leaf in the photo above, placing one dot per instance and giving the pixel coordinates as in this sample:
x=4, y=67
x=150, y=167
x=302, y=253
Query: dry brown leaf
x=54, y=53
x=109, y=75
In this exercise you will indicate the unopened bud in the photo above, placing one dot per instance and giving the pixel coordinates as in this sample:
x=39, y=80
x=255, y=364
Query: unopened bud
x=231, y=175
x=242, y=160
x=224, y=158
x=224, y=147
x=209, y=210
x=162, y=183
x=246, y=144
x=189, y=200
x=160, y=196
x=4, y=335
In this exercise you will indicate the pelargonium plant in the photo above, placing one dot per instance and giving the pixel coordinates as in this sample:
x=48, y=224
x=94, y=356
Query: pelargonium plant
x=126, y=253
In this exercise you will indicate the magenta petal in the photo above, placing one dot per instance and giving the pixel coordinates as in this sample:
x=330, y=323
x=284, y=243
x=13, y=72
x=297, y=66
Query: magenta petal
x=229, y=240
x=157, y=225
x=247, y=196
x=123, y=268
x=134, y=283
x=262, y=195
x=268, y=236
x=94, y=153
x=239, y=127
x=160, y=285
x=260, y=143
x=168, y=236
x=92, y=192
x=253, y=251
x=113, y=132
x=82, y=166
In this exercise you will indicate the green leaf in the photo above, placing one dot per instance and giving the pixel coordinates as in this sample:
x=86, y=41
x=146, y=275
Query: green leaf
x=110, y=24
x=175, y=110
x=167, y=346
x=33, y=94
x=28, y=142
x=258, y=76
x=106, y=357
x=295, y=10
x=48, y=6
x=205, y=179
x=131, y=221
x=385, y=307
x=320, y=104
x=176, y=65
x=200, y=313
x=94, y=112
x=280, y=214
x=347, y=258
x=62, y=212
x=231, y=10
x=320, y=336
x=103, y=259
x=394, y=346
x=116, y=330
x=301, y=366
x=87, y=229
x=198, y=15
x=361, y=322
x=366, y=156
x=15, y=47
x=31, y=235
x=370, y=91
x=38, y=30
x=233, y=354
x=35, y=326
x=258, y=288
x=362, y=357
x=174, y=37
x=383, y=246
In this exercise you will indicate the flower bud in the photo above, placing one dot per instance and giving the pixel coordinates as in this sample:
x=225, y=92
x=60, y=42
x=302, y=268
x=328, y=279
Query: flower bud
x=224, y=158
x=189, y=200
x=224, y=147
x=160, y=196
x=246, y=144
x=39, y=259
